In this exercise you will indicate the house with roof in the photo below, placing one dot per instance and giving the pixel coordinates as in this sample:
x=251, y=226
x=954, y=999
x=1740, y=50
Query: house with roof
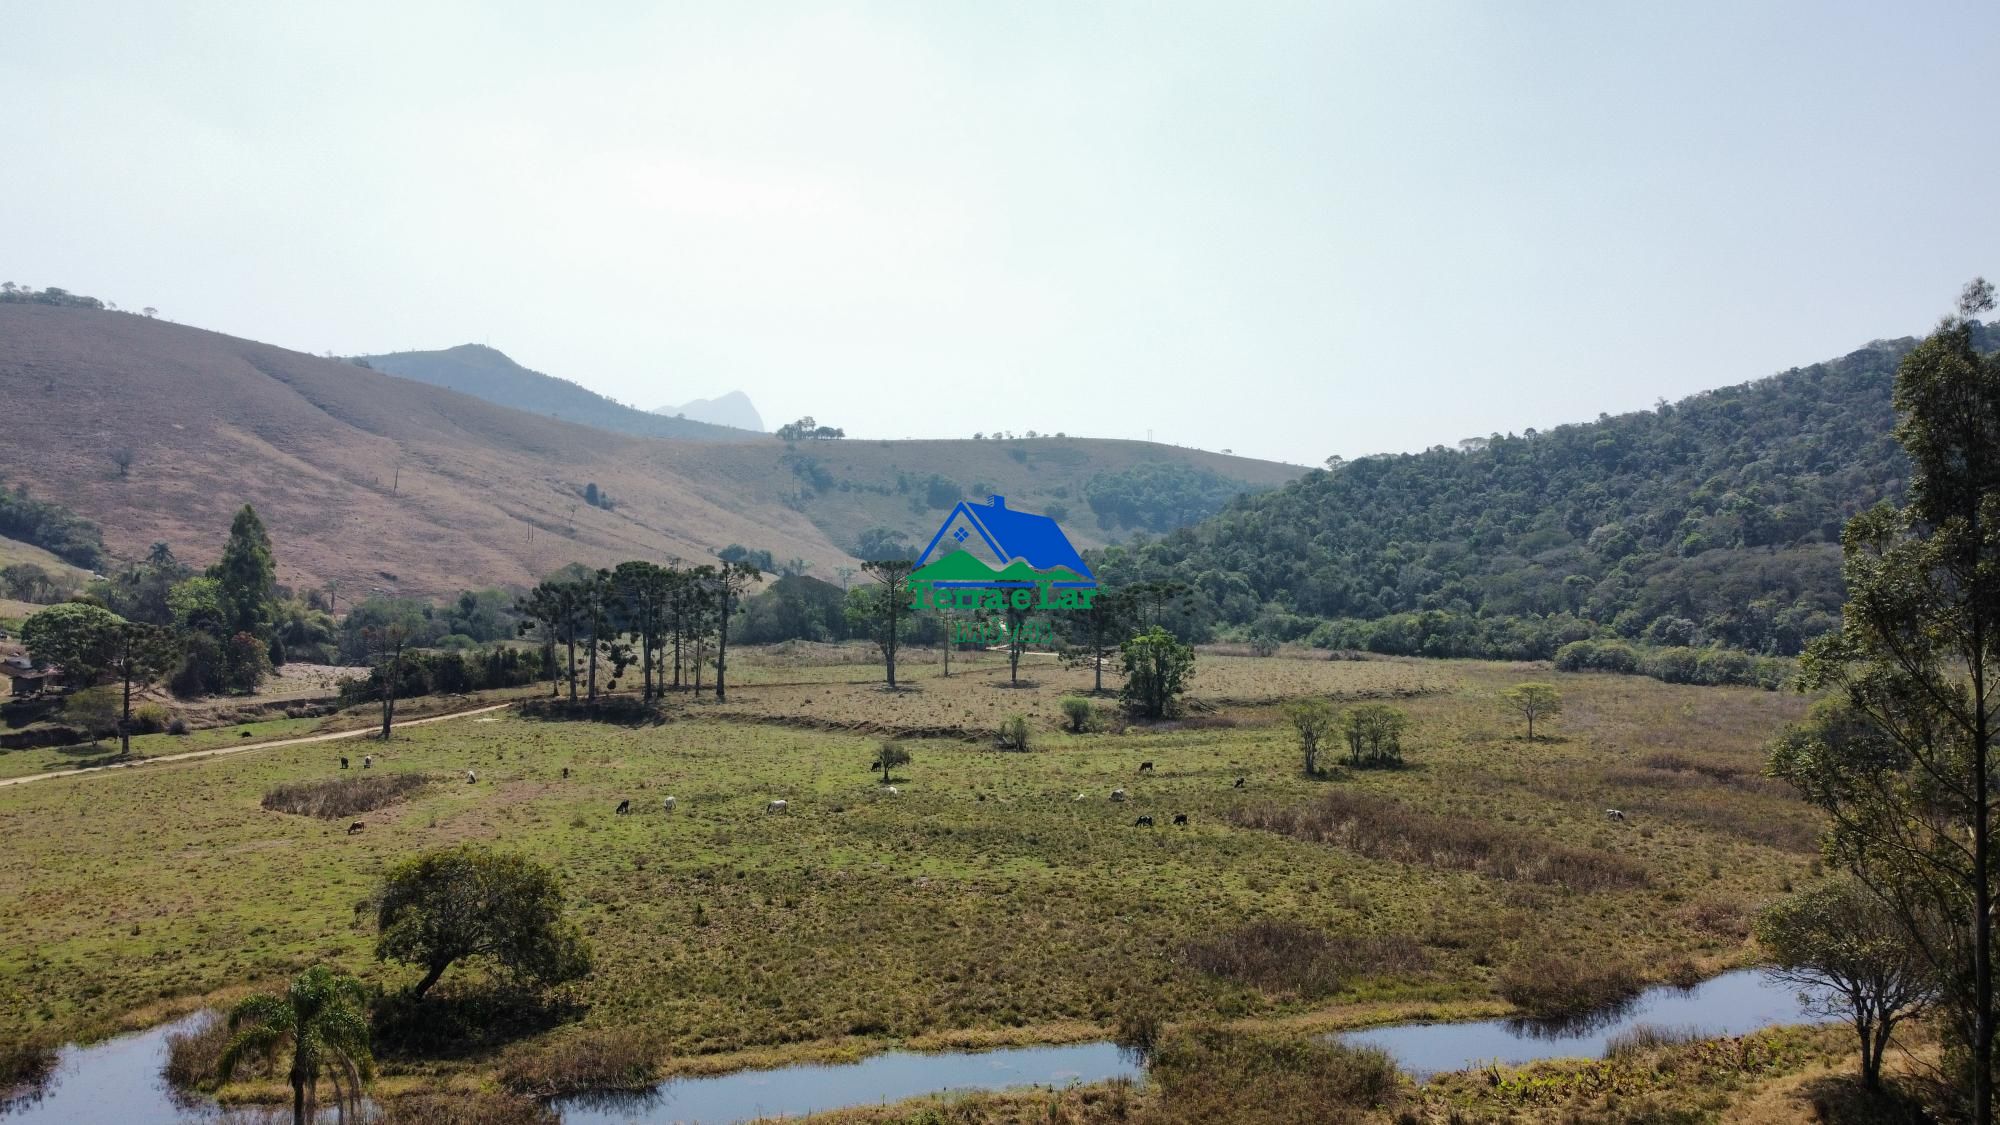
x=23, y=677
x=1006, y=539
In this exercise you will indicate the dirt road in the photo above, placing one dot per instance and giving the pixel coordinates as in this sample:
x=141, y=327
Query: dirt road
x=245, y=748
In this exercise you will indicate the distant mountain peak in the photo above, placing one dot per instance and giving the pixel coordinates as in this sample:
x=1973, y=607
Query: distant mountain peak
x=732, y=409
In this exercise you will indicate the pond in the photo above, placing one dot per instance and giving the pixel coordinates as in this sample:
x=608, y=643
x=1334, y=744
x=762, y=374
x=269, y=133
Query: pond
x=1731, y=1004
x=119, y=1079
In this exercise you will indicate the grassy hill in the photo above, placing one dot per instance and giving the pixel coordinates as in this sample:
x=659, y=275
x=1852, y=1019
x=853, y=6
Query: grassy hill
x=389, y=483
x=489, y=374
x=1715, y=519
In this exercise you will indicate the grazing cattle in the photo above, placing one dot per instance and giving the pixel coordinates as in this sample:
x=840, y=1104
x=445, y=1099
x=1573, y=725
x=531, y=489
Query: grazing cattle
x=1145, y=767
x=1078, y=797
x=873, y=766
x=1239, y=783
x=1117, y=794
x=891, y=791
x=1143, y=822
x=471, y=778
x=668, y=804
x=355, y=827
x=1614, y=814
x=1181, y=819
x=624, y=807
x=367, y=761
x=565, y=773
x=343, y=763
x=777, y=806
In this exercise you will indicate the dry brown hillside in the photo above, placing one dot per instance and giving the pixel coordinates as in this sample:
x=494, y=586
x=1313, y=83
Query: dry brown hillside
x=378, y=481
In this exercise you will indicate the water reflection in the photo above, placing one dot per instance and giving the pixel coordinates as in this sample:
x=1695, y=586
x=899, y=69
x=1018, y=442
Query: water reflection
x=1731, y=1004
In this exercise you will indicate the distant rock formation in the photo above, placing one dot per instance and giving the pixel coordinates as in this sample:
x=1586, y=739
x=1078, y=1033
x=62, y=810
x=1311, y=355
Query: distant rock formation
x=732, y=409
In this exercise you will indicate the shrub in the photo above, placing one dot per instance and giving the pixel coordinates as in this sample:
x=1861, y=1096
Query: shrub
x=1014, y=733
x=150, y=718
x=340, y=798
x=1078, y=711
x=627, y=709
x=177, y=726
x=1278, y=956
x=1553, y=986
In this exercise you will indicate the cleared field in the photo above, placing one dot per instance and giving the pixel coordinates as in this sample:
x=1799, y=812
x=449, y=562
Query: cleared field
x=986, y=903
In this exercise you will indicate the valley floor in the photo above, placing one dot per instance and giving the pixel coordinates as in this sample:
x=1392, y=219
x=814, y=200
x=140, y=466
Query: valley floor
x=998, y=898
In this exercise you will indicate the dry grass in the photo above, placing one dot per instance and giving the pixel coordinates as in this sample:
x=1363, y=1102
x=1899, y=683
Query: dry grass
x=1207, y=1075
x=465, y=1107
x=194, y=1051
x=342, y=797
x=1386, y=829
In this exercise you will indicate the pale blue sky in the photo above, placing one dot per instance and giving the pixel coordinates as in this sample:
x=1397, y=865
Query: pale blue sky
x=1290, y=230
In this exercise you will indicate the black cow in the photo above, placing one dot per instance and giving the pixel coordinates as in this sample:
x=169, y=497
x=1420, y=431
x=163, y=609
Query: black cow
x=343, y=763
x=1143, y=822
x=1239, y=783
x=1145, y=767
x=565, y=773
x=355, y=827
x=624, y=807
x=1180, y=819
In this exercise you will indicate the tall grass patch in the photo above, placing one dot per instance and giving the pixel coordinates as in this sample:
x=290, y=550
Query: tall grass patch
x=1278, y=956
x=590, y=1060
x=1557, y=986
x=1207, y=1074
x=339, y=798
x=1380, y=828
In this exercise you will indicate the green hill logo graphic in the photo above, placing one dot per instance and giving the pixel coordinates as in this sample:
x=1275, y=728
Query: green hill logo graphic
x=990, y=556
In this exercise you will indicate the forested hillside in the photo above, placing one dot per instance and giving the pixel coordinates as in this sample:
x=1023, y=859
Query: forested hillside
x=1712, y=520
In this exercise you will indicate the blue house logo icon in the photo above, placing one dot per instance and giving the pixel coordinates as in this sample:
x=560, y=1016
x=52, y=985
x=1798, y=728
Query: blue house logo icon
x=993, y=545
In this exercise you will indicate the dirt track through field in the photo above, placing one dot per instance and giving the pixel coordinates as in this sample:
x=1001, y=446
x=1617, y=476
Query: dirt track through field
x=218, y=751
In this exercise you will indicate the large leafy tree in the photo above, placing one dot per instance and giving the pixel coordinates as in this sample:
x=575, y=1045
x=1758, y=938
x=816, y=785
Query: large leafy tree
x=320, y=1023
x=1157, y=670
x=77, y=637
x=443, y=907
x=1904, y=764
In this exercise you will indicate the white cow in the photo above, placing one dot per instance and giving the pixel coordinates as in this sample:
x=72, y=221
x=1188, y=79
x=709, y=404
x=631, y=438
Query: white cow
x=777, y=806
x=1614, y=814
x=892, y=791
x=669, y=803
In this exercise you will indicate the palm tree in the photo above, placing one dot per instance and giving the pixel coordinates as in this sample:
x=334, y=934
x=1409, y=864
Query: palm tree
x=320, y=1018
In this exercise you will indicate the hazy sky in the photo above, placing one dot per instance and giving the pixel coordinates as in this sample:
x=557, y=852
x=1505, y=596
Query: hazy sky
x=1290, y=230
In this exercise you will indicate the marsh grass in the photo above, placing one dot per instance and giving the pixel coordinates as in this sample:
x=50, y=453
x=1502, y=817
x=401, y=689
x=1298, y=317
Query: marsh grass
x=194, y=1051
x=1281, y=956
x=24, y=1067
x=586, y=1060
x=1382, y=828
x=465, y=1107
x=1559, y=986
x=342, y=797
x=1207, y=1074
x=1646, y=1038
